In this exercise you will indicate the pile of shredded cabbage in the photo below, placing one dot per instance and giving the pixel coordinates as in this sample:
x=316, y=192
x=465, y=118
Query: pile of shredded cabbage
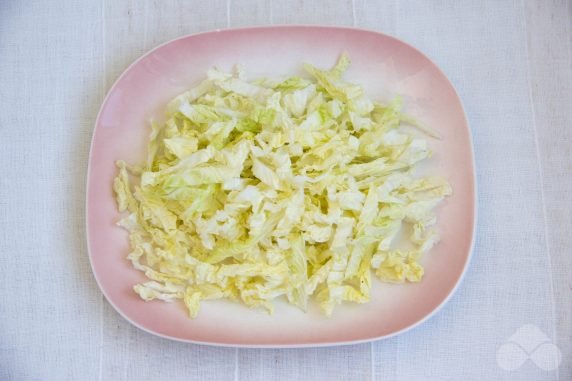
x=294, y=188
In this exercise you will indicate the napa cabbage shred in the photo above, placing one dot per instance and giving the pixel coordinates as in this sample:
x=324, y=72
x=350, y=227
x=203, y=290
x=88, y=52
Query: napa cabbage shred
x=293, y=188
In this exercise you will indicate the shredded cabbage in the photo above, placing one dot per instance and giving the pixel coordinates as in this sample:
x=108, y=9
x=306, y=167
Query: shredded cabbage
x=295, y=188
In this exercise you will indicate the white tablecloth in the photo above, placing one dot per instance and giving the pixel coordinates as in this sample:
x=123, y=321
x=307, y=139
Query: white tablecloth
x=511, y=63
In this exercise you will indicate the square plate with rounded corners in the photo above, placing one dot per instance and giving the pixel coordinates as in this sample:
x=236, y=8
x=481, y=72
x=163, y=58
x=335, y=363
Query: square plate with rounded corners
x=386, y=67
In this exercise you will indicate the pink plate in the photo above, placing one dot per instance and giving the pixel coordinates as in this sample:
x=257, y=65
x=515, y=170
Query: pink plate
x=386, y=66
